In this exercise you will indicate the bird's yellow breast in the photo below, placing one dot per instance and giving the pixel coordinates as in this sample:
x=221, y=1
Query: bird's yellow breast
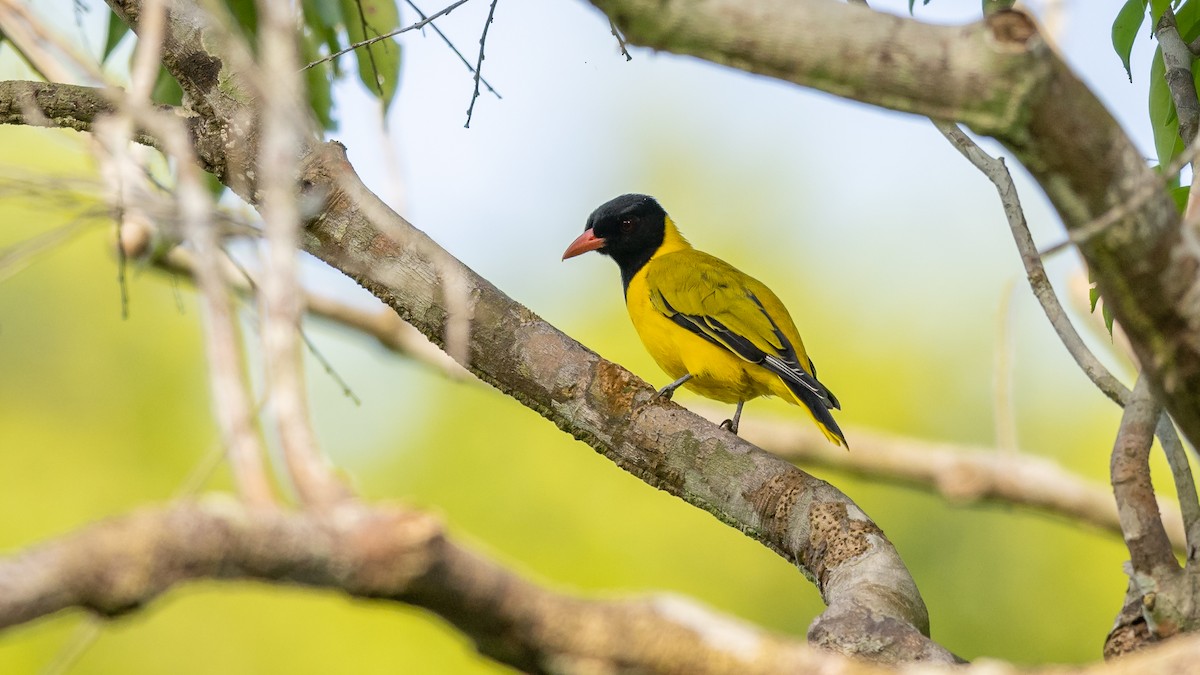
x=716, y=372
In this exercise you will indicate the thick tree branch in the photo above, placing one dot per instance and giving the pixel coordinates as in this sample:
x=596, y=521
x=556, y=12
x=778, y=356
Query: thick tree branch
x=388, y=553
x=395, y=554
x=51, y=104
x=1149, y=548
x=1161, y=600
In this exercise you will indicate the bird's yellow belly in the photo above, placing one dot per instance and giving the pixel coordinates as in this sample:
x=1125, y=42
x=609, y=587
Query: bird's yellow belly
x=716, y=372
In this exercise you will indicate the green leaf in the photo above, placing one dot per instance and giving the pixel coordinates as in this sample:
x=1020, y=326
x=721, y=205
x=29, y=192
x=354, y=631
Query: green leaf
x=1187, y=20
x=379, y=62
x=914, y=2
x=166, y=89
x=993, y=6
x=318, y=80
x=321, y=14
x=1180, y=195
x=1125, y=29
x=321, y=19
x=1094, y=298
x=1157, y=7
x=245, y=13
x=116, y=30
x=1164, y=121
x=214, y=185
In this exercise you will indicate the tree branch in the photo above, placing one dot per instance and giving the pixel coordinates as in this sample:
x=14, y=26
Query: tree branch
x=960, y=474
x=387, y=553
x=1178, y=61
x=1147, y=541
x=52, y=104
x=395, y=554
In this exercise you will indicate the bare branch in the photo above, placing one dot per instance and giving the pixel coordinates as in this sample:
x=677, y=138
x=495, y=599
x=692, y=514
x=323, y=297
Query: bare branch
x=997, y=172
x=960, y=474
x=425, y=20
x=388, y=553
x=66, y=106
x=382, y=323
x=479, y=62
x=620, y=40
x=454, y=49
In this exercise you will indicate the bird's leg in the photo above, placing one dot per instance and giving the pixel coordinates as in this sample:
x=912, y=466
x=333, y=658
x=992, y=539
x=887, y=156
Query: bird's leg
x=669, y=390
x=732, y=425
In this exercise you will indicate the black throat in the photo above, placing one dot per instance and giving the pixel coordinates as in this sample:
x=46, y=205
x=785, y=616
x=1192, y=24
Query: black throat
x=631, y=264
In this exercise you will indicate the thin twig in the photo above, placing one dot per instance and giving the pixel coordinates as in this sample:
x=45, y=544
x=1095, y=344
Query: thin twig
x=996, y=171
x=479, y=62
x=1185, y=485
x=382, y=323
x=370, y=41
x=179, y=262
x=122, y=260
x=620, y=40
x=454, y=49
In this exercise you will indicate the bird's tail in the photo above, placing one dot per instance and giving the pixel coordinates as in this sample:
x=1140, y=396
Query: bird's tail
x=818, y=409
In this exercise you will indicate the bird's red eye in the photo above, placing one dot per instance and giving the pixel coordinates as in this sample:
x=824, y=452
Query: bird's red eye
x=627, y=225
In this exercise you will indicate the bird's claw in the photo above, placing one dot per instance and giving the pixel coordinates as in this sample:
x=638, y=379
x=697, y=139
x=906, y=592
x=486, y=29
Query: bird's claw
x=663, y=394
x=729, y=426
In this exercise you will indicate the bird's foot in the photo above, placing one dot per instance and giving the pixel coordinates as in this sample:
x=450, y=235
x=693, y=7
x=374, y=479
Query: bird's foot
x=668, y=391
x=730, y=426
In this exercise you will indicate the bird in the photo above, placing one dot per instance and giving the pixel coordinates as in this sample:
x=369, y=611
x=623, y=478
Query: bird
x=712, y=328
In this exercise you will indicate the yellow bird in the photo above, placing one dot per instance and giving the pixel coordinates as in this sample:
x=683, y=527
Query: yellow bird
x=715, y=329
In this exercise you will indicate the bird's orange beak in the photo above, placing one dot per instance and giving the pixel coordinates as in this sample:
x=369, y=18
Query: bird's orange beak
x=588, y=241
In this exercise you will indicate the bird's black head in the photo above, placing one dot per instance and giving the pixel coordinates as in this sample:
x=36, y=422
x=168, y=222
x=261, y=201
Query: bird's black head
x=629, y=228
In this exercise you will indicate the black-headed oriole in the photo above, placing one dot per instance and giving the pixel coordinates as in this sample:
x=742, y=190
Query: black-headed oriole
x=715, y=329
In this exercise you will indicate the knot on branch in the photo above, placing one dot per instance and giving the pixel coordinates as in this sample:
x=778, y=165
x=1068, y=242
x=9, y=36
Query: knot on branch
x=1012, y=29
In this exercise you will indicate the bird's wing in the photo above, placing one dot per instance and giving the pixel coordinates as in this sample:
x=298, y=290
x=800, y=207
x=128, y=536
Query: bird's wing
x=721, y=304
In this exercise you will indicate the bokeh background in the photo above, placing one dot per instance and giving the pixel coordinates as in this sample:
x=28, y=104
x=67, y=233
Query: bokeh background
x=891, y=251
